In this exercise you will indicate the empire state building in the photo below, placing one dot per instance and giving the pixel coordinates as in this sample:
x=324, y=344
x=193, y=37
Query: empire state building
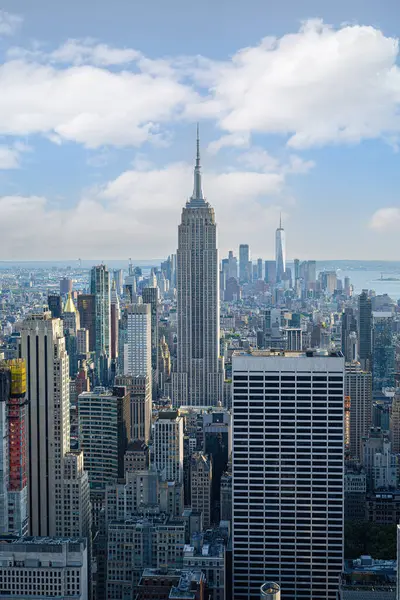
x=199, y=376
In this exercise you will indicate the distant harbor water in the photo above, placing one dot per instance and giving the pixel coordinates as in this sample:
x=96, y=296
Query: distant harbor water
x=367, y=275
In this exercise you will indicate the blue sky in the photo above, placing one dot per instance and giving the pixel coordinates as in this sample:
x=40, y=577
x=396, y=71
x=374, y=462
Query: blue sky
x=298, y=104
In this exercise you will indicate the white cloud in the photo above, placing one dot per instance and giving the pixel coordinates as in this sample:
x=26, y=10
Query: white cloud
x=9, y=23
x=317, y=86
x=231, y=140
x=88, y=51
x=87, y=104
x=386, y=219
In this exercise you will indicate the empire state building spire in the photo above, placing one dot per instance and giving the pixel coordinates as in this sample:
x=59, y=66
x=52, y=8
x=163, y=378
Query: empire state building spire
x=197, y=196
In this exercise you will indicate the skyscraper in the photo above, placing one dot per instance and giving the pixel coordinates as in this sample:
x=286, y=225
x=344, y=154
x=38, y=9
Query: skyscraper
x=198, y=378
x=365, y=329
x=287, y=473
x=358, y=387
x=87, y=313
x=151, y=296
x=137, y=352
x=280, y=252
x=244, y=262
x=383, y=350
x=115, y=313
x=16, y=409
x=168, y=445
x=100, y=288
x=47, y=364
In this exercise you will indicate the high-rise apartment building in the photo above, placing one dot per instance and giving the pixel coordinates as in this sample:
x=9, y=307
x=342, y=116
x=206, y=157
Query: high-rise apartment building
x=87, y=313
x=365, y=329
x=287, y=473
x=103, y=430
x=150, y=296
x=280, y=252
x=48, y=438
x=383, y=350
x=77, y=520
x=137, y=354
x=200, y=485
x=198, y=378
x=100, y=289
x=358, y=388
x=115, y=315
x=13, y=407
x=244, y=263
x=168, y=445
x=139, y=389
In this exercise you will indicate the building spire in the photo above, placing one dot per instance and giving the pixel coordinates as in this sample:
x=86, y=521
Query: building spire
x=197, y=191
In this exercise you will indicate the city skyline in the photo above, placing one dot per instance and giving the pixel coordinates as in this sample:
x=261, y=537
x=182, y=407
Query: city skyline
x=65, y=156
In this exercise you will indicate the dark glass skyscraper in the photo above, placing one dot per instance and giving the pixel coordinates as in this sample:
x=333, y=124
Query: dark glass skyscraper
x=365, y=329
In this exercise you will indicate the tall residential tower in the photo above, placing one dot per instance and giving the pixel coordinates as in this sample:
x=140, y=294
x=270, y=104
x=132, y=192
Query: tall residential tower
x=198, y=380
x=280, y=252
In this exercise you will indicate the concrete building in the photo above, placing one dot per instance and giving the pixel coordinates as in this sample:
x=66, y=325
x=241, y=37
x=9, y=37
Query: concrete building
x=288, y=435
x=383, y=507
x=383, y=350
x=44, y=567
x=150, y=296
x=65, y=286
x=168, y=445
x=158, y=584
x=114, y=316
x=200, y=485
x=226, y=497
x=136, y=456
x=77, y=520
x=48, y=437
x=103, y=429
x=199, y=375
x=368, y=579
x=206, y=552
x=137, y=358
x=82, y=343
x=395, y=423
x=380, y=463
x=358, y=388
x=158, y=542
x=139, y=389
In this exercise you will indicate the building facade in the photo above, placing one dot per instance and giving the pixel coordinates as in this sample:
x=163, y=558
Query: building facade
x=168, y=445
x=44, y=567
x=48, y=437
x=288, y=436
x=358, y=388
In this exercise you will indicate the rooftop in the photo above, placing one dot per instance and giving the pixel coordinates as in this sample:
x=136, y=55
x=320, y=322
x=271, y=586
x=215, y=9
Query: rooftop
x=289, y=353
